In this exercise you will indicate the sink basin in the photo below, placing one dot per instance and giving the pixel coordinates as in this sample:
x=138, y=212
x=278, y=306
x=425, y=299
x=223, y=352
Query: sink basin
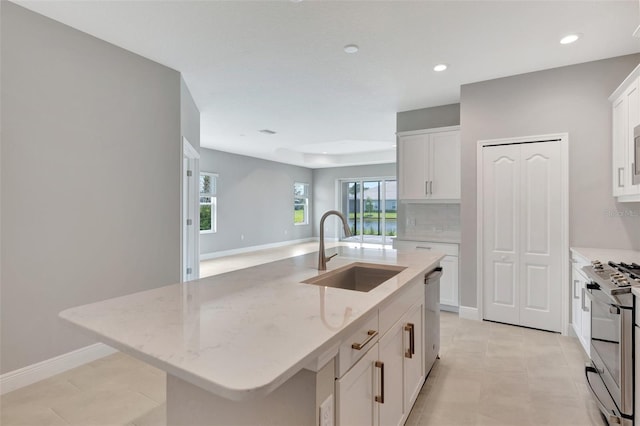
x=357, y=276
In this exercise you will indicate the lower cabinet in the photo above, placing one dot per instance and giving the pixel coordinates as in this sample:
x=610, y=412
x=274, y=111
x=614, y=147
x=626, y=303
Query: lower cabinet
x=382, y=386
x=581, y=305
x=449, y=280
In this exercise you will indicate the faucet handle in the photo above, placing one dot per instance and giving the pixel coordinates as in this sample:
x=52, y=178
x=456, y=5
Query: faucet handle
x=332, y=256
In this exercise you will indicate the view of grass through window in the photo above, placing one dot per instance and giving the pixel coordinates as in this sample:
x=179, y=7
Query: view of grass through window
x=371, y=208
x=300, y=203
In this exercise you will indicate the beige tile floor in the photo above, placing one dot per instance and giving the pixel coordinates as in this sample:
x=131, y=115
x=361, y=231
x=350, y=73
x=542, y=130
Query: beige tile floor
x=488, y=374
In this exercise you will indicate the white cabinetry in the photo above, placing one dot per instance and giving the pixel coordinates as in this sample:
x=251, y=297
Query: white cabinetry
x=381, y=387
x=429, y=164
x=580, y=306
x=626, y=115
x=449, y=279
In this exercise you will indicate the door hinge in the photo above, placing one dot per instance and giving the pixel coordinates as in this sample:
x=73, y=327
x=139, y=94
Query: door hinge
x=189, y=222
x=189, y=173
x=189, y=271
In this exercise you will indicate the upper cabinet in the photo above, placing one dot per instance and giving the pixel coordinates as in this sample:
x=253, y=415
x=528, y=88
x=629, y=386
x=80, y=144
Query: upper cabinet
x=625, y=103
x=429, y=164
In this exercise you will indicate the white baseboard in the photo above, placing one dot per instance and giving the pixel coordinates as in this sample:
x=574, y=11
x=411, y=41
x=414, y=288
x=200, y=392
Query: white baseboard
x=50, y=367
x=216, y=254
x=468, y=312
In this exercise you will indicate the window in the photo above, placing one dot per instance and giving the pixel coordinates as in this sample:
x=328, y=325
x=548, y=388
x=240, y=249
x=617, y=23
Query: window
x=208, y=202
x=370, y=206
x=300, y=203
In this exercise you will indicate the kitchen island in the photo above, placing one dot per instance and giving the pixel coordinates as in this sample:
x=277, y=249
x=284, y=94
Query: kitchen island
x=254, y=345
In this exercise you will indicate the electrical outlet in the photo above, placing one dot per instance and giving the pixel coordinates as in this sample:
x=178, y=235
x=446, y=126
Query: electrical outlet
x=326, y=412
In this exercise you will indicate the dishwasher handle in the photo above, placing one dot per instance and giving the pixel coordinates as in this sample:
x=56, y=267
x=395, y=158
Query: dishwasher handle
x=433, y=276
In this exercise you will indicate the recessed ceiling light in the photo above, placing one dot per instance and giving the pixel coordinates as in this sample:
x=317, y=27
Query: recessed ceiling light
x=351, y=48
x=568, y=39
x=267, y=132
x=440, y=67
x=324, y=152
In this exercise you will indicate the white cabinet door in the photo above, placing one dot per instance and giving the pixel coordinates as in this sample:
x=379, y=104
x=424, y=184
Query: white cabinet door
x=449, y=281
x=391, y=355
x=414, y=355
x=633, y=119
x=356, y=390
x=619, y=146
x=522, y=234
x=576, y=299
x=585, y=312
x=444, y=165
x=413, y=151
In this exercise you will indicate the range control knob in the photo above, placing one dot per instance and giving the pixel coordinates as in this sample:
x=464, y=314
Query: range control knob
x=597, y=265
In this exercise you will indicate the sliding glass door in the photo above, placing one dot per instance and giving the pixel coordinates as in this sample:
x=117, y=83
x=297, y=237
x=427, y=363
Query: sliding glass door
x=370, y=206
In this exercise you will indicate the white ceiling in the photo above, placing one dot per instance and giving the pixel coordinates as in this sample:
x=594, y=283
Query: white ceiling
x=280, y=65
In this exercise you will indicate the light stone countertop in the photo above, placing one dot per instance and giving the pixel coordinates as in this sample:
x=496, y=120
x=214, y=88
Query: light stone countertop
x=242, y=334
x=452, y=237
x=606, y=255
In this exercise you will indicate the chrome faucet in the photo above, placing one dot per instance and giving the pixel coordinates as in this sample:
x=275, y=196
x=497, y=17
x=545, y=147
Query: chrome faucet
x=322, y=258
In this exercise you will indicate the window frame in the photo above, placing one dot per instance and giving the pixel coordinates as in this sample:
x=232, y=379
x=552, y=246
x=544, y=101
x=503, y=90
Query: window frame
x=213, y=196
x=305, y=197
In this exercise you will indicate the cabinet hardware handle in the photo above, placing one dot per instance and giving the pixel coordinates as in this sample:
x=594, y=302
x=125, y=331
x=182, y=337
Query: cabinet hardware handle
x=423, y=247
x=380, y=398
x=430, y=187
x=584, y=308
x=409, y=353
x=575, y=282
x=620, y=184
x=426, y=187
x=371, y=334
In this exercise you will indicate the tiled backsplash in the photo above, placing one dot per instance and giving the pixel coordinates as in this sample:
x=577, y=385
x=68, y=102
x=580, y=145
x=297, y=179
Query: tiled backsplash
x=421, y=218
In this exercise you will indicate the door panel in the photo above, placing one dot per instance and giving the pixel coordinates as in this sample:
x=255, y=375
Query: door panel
x=392, y=354
x=501, y=220
x=413, y=157
x=445, y=165
x=355, y=403
x=540, y=246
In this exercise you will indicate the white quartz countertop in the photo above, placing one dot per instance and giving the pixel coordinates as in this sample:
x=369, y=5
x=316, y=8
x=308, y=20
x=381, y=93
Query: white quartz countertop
x=242, y=334
x=606, y=255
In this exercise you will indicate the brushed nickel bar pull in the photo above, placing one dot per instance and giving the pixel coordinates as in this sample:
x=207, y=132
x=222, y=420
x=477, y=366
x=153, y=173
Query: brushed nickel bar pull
x=430, y=187
x=412, y=349
x=426, y=187
x=620, y=183
x=371, y=334
x=575, y=282
x=380, y=398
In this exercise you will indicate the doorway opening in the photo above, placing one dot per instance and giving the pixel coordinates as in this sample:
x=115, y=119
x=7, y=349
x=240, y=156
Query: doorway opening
x=371, y=208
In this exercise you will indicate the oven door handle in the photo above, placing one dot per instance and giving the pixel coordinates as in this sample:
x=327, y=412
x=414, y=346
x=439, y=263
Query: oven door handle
x=613, y=309
x=612, y=417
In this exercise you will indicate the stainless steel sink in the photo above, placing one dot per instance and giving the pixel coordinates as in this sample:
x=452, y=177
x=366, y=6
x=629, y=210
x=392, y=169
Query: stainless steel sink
x=357, y=276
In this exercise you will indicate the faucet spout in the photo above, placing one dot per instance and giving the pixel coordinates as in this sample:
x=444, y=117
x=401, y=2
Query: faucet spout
x=322, y=258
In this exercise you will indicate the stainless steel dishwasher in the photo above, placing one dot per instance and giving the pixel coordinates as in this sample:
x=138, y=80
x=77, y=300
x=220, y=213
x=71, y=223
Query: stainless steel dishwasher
x=431, y=317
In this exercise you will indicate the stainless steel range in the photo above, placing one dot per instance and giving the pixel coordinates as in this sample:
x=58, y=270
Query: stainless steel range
x=610, y=373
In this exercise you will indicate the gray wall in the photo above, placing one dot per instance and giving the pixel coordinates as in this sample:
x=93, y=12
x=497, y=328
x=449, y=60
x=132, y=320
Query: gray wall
x=428, y=118
x=425, y=118
x=324, y=190
x=255, y=200
x=570, y=99
x=189, y=116
x=90, y=180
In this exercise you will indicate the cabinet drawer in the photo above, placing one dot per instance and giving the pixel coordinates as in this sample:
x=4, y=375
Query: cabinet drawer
x=365, y=337
x=394, y=309
x=446, y=248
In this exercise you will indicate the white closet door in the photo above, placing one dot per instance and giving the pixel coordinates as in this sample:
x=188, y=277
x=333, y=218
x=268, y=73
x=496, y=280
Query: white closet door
x=522, y=234
x=501, y=228
x=540, y=236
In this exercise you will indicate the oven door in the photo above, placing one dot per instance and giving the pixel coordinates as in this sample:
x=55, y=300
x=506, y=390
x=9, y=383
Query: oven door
x=611, y=350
